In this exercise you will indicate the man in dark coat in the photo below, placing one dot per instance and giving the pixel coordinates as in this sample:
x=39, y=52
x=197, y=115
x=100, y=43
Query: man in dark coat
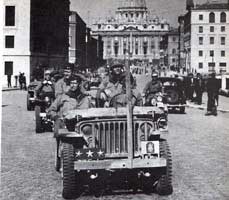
x=213, y=95
x=199, y=87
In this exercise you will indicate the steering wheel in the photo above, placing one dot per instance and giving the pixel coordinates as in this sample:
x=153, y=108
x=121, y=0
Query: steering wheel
x=113, y=102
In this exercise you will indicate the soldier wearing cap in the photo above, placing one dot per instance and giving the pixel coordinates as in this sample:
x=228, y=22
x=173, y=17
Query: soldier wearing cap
x=154, y=86
x=62, y=86
x=73, y=99
x=46, y=86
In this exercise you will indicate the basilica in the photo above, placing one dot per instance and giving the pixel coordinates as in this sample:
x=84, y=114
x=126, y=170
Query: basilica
x=133, y=29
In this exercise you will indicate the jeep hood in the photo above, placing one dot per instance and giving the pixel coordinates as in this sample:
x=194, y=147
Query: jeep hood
x=111, y=112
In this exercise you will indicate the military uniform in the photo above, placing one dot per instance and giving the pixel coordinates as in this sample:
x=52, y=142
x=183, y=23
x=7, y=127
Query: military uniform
x=44, y=88
x=66, y=102
x=61, y=87
x=152, y=87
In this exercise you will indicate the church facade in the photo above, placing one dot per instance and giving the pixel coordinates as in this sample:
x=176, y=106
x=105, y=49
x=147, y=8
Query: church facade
x=134, y=30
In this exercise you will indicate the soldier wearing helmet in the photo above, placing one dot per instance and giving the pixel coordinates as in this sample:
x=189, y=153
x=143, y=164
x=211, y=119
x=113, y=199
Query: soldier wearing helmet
x=154, y=86
x=46, y=86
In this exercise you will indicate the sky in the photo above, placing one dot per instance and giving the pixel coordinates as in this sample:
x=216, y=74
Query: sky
x=167, y=9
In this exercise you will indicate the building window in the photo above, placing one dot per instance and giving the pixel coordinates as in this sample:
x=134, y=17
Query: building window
x=222, y=40
x=222, y=64
x=211, y=53
x=162, y=26
x=8, y=68
x=201, y=40
x=10, y=16
x=200, y=53
x=200, y=17
x=212, y=28
x=174, y=39
x=223, y=17
x=174, y=51
x=212, y=40
x=212, y=17
x=173, y=60
x=9, y=41
x=222, y=53
x=99, y=26
x=222, y=28
x=152, y=27
x=200, y=29
x=200, y=65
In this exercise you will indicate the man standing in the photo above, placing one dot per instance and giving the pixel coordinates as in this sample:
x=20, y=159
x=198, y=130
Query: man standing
x=9, y=80
x=62, y=86
x=199, y=87
x=190, y=87
x=213, y=95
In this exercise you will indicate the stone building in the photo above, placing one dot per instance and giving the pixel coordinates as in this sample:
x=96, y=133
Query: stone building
x=85, y=51
x=132, y=28
x=35, y=34
x=206, y=37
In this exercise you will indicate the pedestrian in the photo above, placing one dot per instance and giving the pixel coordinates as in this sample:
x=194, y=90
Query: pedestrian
x=199, y=87
x=213, y=95
x=24, y=81
x=9, y=80
x=20, y=80
x=190, y=87
x=16, y=79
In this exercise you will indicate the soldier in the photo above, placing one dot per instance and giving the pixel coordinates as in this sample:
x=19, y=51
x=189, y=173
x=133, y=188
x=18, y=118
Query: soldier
x=154, y=86
x=62, y=86
x=46, y=86
x=213, y=95
x=74, y=98
x=107, y=89
x=116, y=73
x=120, y=99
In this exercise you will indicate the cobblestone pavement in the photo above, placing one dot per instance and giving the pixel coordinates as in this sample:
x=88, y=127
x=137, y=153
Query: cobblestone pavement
x=199, y=146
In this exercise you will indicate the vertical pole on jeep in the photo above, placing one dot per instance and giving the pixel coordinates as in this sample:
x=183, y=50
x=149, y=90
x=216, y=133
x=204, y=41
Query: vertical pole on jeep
x=129, y=107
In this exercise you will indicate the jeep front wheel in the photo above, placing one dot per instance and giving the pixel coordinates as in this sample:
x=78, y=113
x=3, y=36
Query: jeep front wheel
x=164, y=185
x=70, y=183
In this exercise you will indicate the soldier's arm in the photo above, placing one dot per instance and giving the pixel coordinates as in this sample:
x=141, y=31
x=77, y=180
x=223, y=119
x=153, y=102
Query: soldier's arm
x=146, y=88
x=54, y=108
x=58, y=88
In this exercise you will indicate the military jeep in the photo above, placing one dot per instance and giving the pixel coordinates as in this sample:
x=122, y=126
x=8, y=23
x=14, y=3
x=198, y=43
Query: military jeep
x=98, y=149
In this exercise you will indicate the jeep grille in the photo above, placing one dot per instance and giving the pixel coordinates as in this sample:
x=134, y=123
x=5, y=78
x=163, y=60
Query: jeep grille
x=111, y=135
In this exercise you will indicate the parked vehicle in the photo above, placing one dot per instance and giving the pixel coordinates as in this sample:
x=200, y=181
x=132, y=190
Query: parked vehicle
x=97, y=148
x=173, y=90
x=42, y=103
x=31, y=95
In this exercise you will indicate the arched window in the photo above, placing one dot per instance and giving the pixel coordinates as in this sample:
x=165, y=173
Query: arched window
x=223, y=17
x=212, y=17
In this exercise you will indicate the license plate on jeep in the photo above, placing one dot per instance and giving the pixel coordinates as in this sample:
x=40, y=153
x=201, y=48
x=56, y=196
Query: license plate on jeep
x=150, y=147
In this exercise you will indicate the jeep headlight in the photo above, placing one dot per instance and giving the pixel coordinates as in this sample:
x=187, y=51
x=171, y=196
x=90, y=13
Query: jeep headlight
x=159, y=99
x=153, y=102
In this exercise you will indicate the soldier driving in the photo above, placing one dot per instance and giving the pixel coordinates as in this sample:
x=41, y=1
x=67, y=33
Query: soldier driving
x=154, y=86
x=46, y=86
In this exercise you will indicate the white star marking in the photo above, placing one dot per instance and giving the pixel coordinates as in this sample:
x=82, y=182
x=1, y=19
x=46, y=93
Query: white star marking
x=100, y=153
x=89, y=153
x=78, y=154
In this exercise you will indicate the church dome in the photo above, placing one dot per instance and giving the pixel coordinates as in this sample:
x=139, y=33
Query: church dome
x=133, y=4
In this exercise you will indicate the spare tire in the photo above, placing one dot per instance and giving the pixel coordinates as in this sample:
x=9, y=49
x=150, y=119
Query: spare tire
x=172, y=96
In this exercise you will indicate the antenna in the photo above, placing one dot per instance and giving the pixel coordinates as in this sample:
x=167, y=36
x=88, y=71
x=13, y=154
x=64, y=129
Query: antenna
x=88, y=17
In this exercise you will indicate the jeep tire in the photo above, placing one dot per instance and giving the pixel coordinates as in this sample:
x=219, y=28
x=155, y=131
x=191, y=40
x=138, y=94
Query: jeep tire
x=71, y=186
x=164, y=185
x=39, y=128
x=182, y=109
x=57, y=155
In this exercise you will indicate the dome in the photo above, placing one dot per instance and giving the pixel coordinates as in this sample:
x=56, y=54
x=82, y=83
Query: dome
x=133, y=4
